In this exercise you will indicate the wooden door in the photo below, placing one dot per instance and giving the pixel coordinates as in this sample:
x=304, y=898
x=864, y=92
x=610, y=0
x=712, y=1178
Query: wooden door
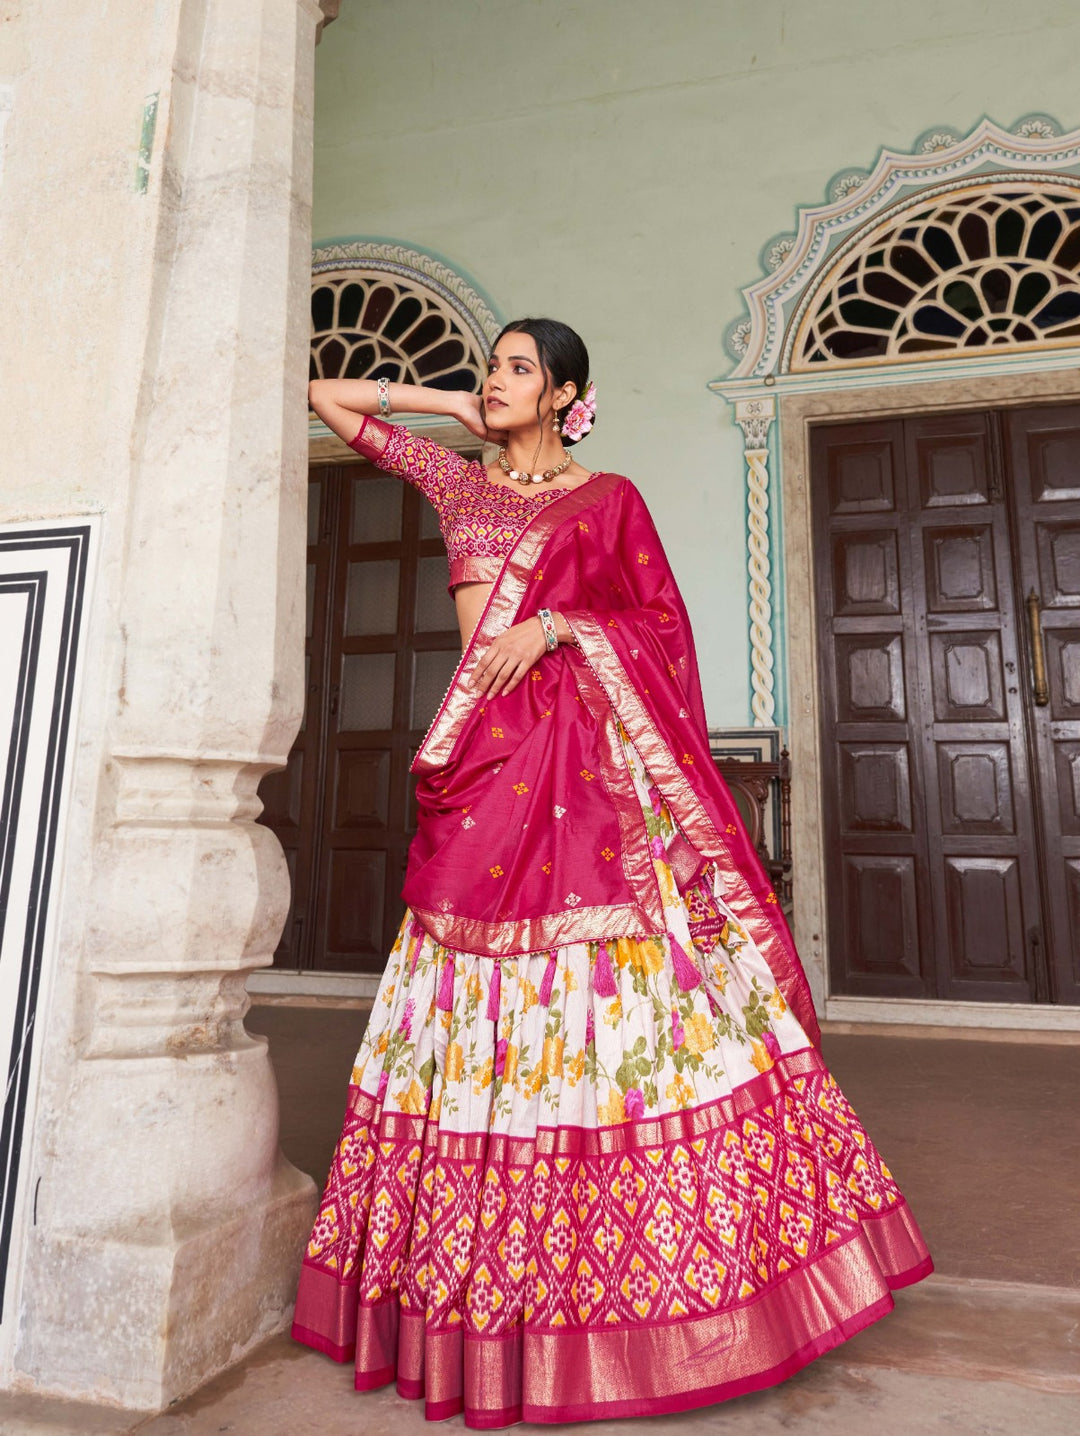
x=1044, y=460
x=950, y=870
x=382, y=645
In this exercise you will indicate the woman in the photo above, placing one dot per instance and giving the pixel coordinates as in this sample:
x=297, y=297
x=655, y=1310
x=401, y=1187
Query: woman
x=593, y=1164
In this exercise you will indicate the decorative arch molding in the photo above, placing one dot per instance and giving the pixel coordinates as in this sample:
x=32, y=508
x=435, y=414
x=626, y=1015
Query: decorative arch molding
x=381, y=308
x=857, y=295
x=863, y=208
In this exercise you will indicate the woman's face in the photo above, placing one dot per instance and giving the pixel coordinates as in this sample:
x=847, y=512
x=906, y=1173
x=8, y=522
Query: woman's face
x=515, y=381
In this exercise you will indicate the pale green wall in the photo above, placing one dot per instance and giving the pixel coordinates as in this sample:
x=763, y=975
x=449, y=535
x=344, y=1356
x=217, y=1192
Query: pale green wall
x=620, y=163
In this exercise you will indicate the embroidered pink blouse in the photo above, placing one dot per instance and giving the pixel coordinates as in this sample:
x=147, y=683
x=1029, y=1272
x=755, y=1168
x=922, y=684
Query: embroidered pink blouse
x=480, y=521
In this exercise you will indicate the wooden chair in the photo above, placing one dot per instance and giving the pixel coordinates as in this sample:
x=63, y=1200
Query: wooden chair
x=751, y=783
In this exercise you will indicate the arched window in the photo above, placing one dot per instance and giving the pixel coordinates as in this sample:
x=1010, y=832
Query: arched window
x=389, y=311
x=963, y=254
x=989, y=267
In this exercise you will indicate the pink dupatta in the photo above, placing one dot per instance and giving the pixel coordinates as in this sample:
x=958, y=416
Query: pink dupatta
x=530, y=833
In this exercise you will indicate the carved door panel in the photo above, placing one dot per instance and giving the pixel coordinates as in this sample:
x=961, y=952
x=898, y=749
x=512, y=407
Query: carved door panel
x=876, y=838
x=383, y=644
x=934, y=884
x=983, y=879
x=1044, y=453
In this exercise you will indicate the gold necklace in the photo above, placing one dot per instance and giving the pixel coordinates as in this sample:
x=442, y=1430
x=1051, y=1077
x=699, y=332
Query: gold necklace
x=524, y=478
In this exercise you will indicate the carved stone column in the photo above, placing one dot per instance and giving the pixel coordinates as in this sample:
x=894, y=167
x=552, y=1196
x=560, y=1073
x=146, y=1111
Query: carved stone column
x=755, y=417
x=166, y=1226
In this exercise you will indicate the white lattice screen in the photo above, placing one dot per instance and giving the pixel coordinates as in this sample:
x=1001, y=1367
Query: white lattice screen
x=990, y=267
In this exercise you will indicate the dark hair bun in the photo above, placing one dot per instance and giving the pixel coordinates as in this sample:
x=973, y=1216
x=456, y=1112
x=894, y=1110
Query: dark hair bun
x=561, y=352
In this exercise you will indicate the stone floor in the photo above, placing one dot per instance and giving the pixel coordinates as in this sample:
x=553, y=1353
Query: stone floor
x=285, y=1390
x=982, y=1137
x=844, y=1399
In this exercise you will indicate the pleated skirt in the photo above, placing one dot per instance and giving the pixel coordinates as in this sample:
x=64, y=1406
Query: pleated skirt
x=608, y=1179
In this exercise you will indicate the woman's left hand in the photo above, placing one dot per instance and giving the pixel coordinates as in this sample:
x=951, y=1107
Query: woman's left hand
x=508, y=658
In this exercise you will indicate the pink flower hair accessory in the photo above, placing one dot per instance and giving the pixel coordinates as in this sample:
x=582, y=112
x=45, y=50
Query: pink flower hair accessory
x=582, y=412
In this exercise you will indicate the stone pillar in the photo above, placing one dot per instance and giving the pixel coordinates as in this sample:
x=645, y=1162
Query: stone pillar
x=155, y=242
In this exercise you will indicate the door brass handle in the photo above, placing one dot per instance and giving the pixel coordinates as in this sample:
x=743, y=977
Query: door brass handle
x=1039, y=685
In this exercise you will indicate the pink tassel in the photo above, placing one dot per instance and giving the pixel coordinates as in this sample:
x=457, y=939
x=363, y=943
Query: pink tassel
x=546, y=984
x=495, y=993
x=445, y=1000
x=686, y=974
x=603, y=978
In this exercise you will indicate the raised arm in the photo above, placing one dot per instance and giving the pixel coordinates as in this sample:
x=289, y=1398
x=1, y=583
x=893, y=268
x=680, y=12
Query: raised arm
x=350, y=407
x=342, y=403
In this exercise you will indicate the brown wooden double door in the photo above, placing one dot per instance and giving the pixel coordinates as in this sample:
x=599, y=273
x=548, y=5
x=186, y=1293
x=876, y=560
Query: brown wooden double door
x=382, y=644
x=949, y=641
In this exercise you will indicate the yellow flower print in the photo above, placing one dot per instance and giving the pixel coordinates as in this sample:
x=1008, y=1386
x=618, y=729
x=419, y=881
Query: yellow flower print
x=575, y=1068
x=666, y=881
x=611, y=1112
x=759, y=1056
x=552, y=1059
x=699, y=1033
x=777, y=1005
x=571, y=983
x=474, y=988
x=529, y=995
x=721, y=974
x=482, y=1076
x=613, y=1015
x=536, y=1081
x=621, y=951
x=411, y=1099
x=679, y=1093
x=455, y=1062
x=510, y=1065
x=447, y=1020
x=647, y=955
x=388, y=995
x=382, y=1043
x=358, y=1073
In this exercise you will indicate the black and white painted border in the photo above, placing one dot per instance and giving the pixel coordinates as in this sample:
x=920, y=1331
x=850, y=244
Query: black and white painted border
x=43, y=595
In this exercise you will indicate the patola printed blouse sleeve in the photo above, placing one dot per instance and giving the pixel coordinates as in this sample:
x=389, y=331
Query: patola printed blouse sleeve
x=423, y=463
